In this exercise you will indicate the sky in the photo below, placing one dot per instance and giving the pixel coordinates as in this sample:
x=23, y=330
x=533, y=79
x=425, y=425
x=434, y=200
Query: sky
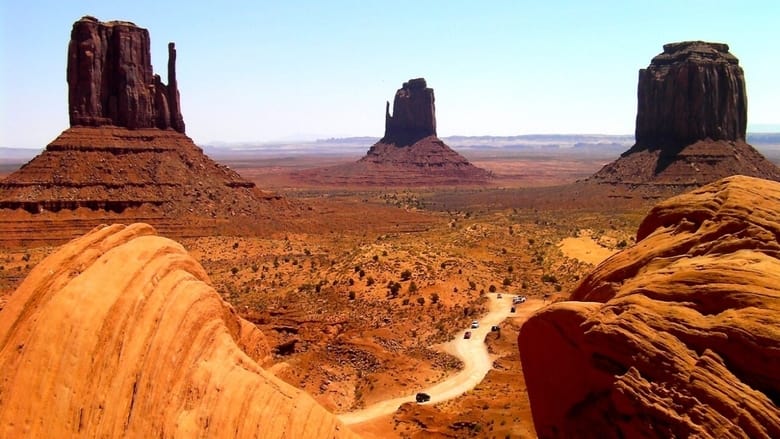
x=264, y=71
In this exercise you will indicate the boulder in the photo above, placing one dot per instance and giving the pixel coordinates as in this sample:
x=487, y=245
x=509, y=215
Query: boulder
x=677, y=336
x=120, y=333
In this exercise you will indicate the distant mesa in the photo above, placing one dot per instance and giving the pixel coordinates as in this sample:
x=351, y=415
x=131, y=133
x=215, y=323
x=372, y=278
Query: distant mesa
x=119, y=333
x=409, y=154
x=691, y=121
x=125, y=152
x=676, y=336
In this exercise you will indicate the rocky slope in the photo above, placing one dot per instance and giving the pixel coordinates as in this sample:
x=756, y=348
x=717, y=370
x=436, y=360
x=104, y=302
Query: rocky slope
x=691, y=121
x=409, y=154
x=119, y=334
x=677, y=336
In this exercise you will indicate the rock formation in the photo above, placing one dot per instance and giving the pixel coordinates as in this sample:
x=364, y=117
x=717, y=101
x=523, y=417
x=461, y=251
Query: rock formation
x=691, y=121
x=125, y=153
x=677, y=336
x=414, y=114
x=110, y=78
x=120, y=334
x=409, y=154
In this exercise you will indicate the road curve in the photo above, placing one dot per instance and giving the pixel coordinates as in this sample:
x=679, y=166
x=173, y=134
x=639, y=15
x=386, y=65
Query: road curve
x=473, y=352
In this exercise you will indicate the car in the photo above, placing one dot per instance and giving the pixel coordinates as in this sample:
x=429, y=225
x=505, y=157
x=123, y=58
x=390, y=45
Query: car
x=495, y=328
x=499, y=296
x=467, y=335
x=474, y=324
x=518, y=299
x=512, y=310
x=422, y=397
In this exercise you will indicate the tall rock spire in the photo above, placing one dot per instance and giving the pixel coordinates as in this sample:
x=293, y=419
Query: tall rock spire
x=111, y=82
x=414, y=114
x=692, y=91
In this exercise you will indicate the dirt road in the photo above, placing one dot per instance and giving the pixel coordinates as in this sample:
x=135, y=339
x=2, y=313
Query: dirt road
x=473, y=352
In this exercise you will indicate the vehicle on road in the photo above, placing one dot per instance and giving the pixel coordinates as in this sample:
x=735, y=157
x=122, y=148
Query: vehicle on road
x=518, y=299
x=512, y=310
x=422, y=397
x=495, y=328
x=467, y=335
x=474, y=324
x=499, y=296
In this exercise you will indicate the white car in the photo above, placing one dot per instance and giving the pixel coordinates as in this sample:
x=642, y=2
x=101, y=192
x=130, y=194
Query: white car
x=474, y=324
x=518, y=299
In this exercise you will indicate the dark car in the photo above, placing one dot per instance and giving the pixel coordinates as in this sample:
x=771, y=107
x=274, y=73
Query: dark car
x=467, y=334
x=512, y=310
x=422, y=397
x=495, y=328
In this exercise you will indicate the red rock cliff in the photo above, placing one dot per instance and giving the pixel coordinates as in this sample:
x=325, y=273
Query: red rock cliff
x=110, y=78
x=414, y=114
x=677, y=336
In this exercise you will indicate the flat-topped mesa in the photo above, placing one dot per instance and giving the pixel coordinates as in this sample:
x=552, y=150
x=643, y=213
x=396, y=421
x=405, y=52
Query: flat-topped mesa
x=693, y=91
x=414, y=114
x=111, y=82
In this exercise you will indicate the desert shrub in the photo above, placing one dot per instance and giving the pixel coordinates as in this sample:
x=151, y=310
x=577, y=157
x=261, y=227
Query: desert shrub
x=369, y=281
x=234, y=270
x=507, y=281
x=394, y=288
x=510, y=269
x=351, y=281
x=472, y=285
x=357, y=268
x=255, y=268
x=622, y=244
x=361, y=273
x=492, y=288
x=375, y=258
x=549, y=278
x=307, y=252
x=235, y=245
x=405, y=301
x=434, y=297
x=406, y=275
x=384, y=252
x=412, y=287
x=421, y=300
x=503, y=251
x=351, y=295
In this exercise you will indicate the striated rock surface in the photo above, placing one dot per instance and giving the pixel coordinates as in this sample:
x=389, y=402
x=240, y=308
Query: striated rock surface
x=409, y=154
x=677, y=336
x=111, y=82
x=414, y=114
x=691, y=122
x=120, y=334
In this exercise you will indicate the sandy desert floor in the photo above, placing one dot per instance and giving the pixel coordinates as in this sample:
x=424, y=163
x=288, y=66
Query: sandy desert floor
x=358, y=301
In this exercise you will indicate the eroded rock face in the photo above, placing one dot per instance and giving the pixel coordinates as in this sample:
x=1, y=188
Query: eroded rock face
x=692, y=91
x=677, y=336
x=120, y=334
x=691, y=121
x=414, y=114
x=110, y=78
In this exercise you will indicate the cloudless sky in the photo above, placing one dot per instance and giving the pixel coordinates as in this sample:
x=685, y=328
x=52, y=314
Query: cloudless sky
x=284, y=70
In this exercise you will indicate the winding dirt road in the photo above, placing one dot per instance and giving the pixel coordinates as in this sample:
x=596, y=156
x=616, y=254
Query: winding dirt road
x=473, y=352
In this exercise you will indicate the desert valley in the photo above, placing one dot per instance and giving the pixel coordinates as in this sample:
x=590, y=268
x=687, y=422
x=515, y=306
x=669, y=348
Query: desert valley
x=533, y=286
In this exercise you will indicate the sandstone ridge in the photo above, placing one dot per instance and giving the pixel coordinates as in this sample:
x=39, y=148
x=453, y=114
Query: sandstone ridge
x=691, y=121
x=120, y=334
x=677, y=336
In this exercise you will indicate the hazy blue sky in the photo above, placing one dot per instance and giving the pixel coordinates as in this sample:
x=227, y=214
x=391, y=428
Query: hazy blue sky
x=270, y=70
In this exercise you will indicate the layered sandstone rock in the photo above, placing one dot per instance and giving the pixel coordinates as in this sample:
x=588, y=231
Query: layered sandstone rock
x=409, y=154
x=125, y=153
x=691, y=121
x=677, y=336
x=120, y=334
x=111, y=82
